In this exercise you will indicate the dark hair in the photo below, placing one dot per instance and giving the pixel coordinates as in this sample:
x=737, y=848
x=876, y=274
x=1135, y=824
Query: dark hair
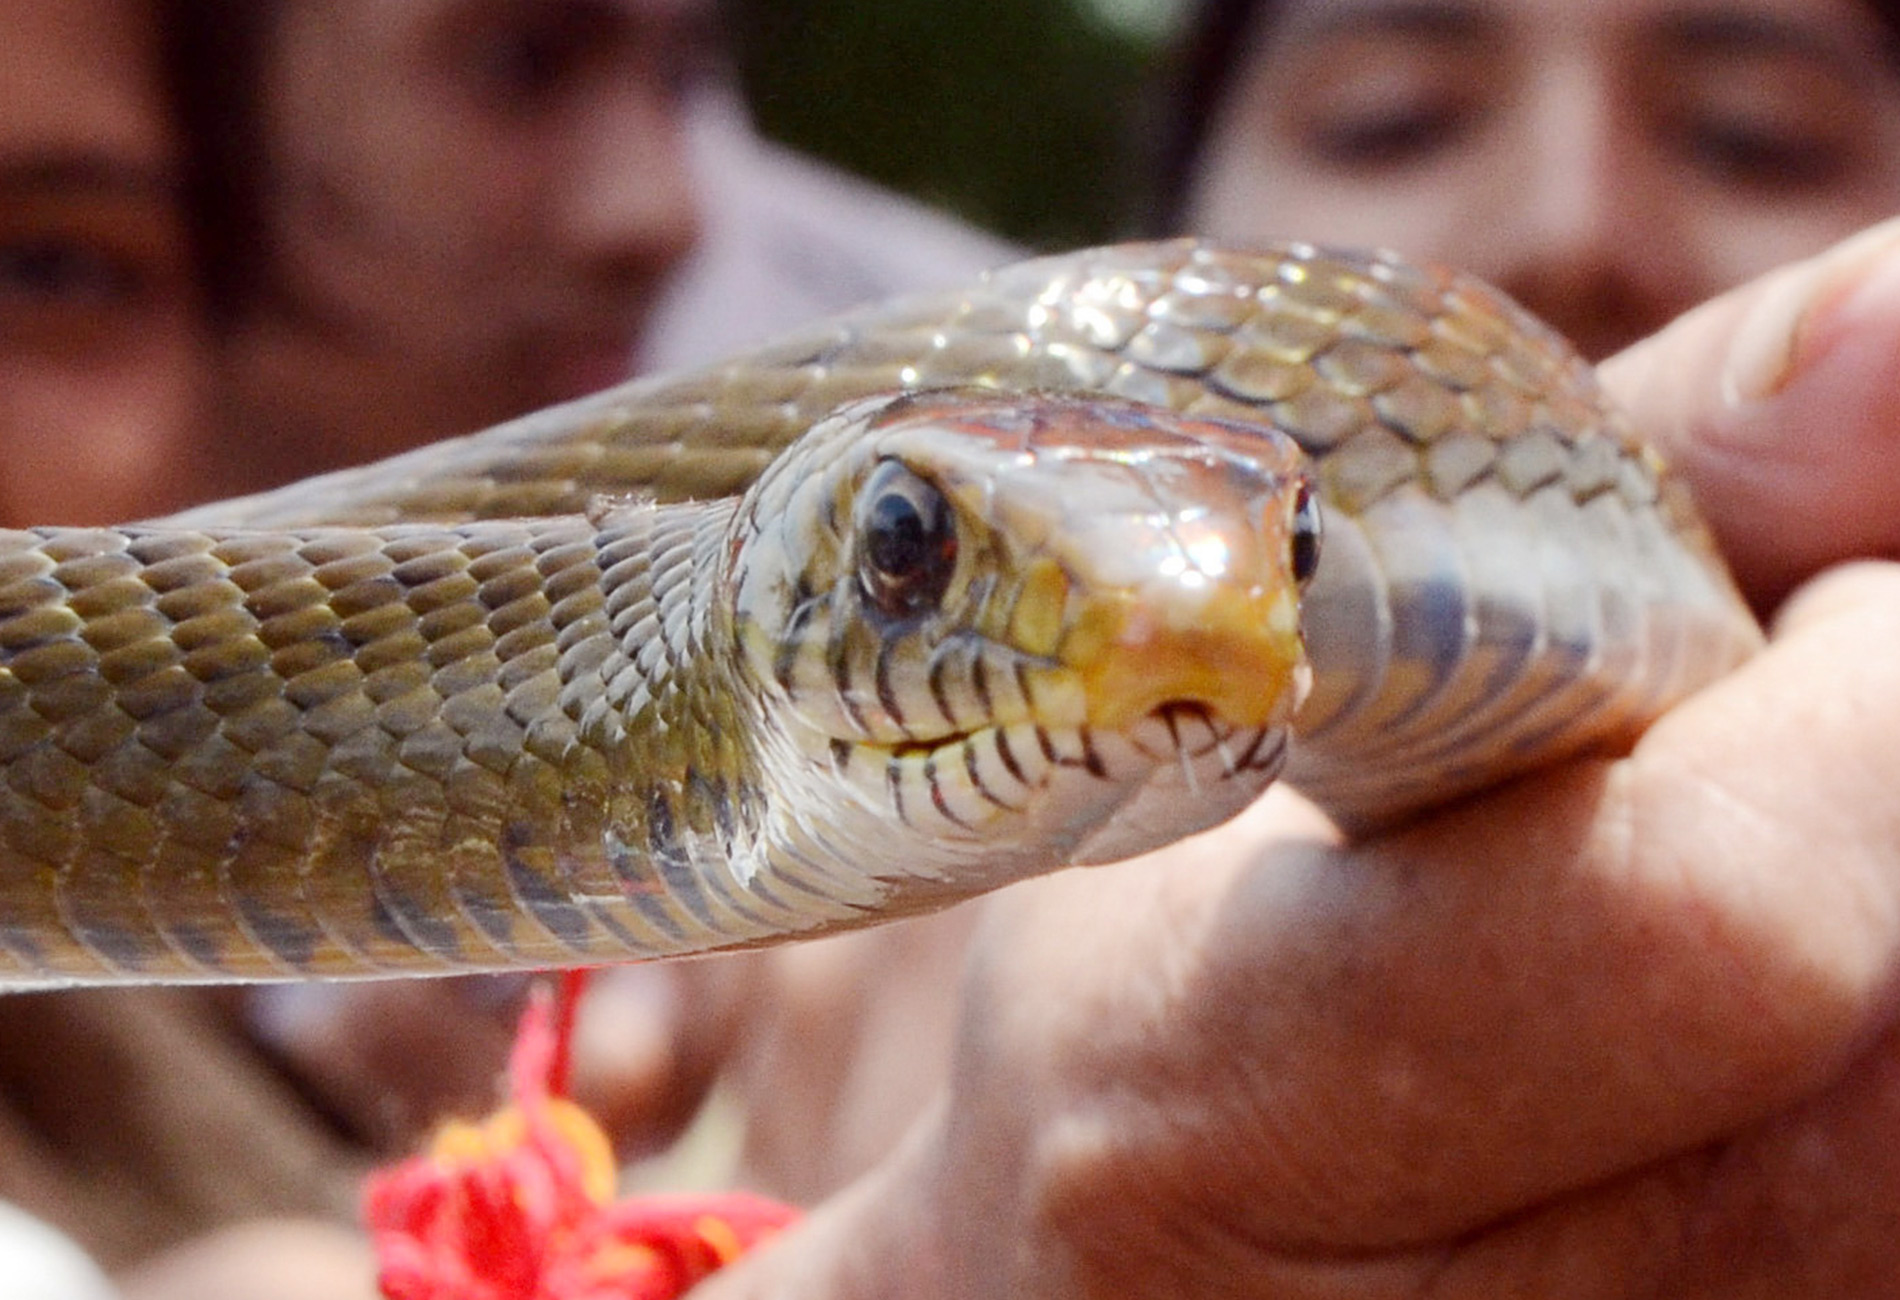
x=214, y=53
x=1197, y=80
x=1194, y=84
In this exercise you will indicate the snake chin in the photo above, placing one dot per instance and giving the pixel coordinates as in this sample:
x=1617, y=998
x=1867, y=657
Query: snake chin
x=1203, y=770
x=1180, y=769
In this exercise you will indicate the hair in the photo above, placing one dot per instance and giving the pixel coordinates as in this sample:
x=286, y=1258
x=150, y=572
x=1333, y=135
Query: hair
x=215, y=52
x=1197, y=79
x=1194, y=83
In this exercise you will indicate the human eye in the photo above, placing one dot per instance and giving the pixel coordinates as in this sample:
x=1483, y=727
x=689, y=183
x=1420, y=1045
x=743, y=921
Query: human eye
x=55, y=271
x=1743, y=153
x=1381, y=104
x=74, y=279
x=1774, y=151
x=1385, y=136
x=526, y=59
x=1771, y=115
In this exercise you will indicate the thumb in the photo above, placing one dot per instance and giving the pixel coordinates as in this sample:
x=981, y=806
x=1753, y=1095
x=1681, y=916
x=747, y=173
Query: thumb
x=1777, y=402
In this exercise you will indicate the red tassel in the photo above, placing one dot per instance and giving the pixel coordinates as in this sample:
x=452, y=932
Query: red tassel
x=520, y=1207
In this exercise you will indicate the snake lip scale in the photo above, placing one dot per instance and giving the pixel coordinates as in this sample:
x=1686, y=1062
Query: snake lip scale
x=898, y=609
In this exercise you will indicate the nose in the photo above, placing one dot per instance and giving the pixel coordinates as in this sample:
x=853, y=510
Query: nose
x=1589, y=232
x=632, y=209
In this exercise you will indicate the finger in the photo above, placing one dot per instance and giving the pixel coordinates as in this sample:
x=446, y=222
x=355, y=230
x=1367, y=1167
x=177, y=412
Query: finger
x=1799, y=1205
x=1610, y=963
x=1777, y=401
x=152, y=1086
x=386, y=1061
x=882, y=1237
x=1595, y=970
x=1834, y=594
x=1706, y=938
x=850, y=1041
x=289, y=1259
x=651, y=1039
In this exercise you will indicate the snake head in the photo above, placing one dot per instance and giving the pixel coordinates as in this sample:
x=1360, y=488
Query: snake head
x=1022, y=631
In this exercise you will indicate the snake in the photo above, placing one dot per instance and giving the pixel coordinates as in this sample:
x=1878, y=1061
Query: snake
x=1056, y=568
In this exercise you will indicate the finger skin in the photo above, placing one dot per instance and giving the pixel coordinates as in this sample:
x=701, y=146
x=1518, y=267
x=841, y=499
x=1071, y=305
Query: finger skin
x=386, y=1060
x=133, y=1119
x=1777, y=402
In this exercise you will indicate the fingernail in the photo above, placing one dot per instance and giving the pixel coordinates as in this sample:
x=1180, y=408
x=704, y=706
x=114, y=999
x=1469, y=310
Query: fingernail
x=1772, y=342
x=628, y=1012
x=279, y=1015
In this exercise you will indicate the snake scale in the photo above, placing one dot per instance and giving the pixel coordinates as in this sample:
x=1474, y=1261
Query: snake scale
x=912, y=604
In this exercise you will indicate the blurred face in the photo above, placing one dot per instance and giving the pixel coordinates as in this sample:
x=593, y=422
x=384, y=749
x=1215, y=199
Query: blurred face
x=485, y=192
x=100, y=369
x=1610, y=164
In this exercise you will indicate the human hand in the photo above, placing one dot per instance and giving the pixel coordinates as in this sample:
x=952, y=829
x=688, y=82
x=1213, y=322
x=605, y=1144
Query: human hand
x=1623, y=1026
x=136, y=1118
x=386, y=1061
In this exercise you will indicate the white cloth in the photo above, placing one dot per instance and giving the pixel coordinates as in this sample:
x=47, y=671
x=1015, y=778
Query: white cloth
x=37, y=1262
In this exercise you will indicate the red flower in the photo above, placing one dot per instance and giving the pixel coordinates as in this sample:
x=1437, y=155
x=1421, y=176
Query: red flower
x=520, y=1207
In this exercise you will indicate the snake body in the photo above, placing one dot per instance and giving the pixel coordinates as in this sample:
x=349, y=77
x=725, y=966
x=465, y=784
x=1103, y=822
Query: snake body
x=619, y=680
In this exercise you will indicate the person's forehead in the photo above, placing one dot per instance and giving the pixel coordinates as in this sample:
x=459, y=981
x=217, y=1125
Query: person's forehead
x=1819, y=27
x=82, y=76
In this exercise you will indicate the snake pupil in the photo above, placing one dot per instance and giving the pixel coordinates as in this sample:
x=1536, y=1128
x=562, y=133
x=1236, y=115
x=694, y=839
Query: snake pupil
x=1303, y=531
x=908, y=542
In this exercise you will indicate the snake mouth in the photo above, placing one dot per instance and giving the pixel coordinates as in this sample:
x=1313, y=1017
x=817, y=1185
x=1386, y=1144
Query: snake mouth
x=1184, y=762
x=1172, y=712
x=1221, y=682
x=1195, y=731
x=1175, y=731
x=1180, y=717
x=1229, y=651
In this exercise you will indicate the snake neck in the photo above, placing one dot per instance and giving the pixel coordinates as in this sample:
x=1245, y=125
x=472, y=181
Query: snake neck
x=659, y=693
x=709, y=824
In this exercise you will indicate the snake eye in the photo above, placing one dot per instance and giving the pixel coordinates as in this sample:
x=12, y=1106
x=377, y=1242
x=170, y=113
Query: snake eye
x=1303, y=533
x=907, y=541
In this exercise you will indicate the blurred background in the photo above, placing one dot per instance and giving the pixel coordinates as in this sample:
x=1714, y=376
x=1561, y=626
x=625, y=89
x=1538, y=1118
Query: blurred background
x=1014, y=114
